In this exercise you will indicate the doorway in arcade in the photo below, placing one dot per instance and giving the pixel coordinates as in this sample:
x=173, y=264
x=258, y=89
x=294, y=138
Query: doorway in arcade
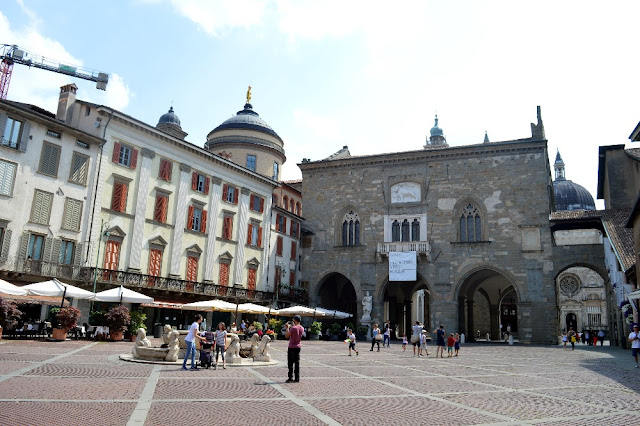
x=337, y=292
x=406, y=302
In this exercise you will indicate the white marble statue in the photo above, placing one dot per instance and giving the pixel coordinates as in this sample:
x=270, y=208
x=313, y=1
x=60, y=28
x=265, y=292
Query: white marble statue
x=165, y=334
x=233, y=350
x=263, y=350
x=255, y=341
x=174, y=346
x=367, y=302
x=141, y=340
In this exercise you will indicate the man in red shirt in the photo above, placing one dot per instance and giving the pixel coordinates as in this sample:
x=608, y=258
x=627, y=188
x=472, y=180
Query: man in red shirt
x=294, y=334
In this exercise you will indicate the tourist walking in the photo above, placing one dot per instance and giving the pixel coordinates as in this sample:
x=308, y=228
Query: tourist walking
x=190, y=340
x=565, y=339
x=423, y=343
x=415, y=337
x=294, y=334
x=634, y=338
x=456, y=346
x=451, y=341
x=387, y=334
x=404, y=343
x=376, y=340
x=351, y=338
x=572, y=338
x=440, y=341
x=221, y=343
x=601, y=337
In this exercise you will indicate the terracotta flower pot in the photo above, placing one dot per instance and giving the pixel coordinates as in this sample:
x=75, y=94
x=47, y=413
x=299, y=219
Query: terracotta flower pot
x=116, y=336
x=59, y=334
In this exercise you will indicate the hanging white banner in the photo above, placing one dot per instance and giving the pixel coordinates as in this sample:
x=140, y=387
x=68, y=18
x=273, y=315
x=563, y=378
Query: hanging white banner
x=402, y=266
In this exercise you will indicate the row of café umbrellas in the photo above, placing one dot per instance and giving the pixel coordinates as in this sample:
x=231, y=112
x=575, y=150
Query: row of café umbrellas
x=56, y=288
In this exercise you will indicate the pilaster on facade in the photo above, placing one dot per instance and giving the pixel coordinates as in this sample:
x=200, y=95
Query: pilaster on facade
x=141, y=208
x=96, y=222
x=214, y=202
x=266, y=237
x=181, y=218
x=242, y=237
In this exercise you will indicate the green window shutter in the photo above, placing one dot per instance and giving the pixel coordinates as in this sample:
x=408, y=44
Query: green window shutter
x=42, y=207
x=79, y=169
x=55, y=256
x=24, y=242
x=77, y=256
x=49, y=160
x=48, y=242
x=6, y=242
x=7, y=172
x=36, y=214
x=72, y=214
x=24, y=140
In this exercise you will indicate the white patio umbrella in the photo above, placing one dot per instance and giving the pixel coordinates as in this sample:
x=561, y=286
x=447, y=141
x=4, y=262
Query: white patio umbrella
x=122, y=295
x=211, y=305
x=252, y=308
x=14, y=290
x=333, y=313
x=303, y=311
x=57, y=288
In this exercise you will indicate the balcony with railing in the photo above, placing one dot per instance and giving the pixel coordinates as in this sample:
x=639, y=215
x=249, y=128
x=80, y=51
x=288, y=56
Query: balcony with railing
x=422, y=248
x=298, y=295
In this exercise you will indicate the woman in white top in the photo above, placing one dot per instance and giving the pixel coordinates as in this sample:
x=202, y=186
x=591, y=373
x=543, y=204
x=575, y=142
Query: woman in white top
x=190, y=340
x=221, y=342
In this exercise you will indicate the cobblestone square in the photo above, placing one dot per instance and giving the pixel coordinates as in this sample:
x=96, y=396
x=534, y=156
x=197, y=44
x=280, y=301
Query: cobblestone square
x=85, y=382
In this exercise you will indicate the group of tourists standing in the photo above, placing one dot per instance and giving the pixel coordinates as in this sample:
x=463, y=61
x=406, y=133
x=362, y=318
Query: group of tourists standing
x=419, y=339
x=588, y=337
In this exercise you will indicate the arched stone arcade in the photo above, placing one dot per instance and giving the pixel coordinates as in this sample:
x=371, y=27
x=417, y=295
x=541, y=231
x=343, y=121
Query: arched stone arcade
x=335, y=291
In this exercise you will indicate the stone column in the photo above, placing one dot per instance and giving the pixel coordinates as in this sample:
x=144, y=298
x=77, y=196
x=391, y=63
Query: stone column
x=470, y=327
x=181, y=218
x=494, y=314
x=242, y=237
x=266, y=246
x=141, y=208
x=214, y=201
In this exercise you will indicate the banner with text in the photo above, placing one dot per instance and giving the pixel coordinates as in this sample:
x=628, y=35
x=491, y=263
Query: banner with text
x=402, y=266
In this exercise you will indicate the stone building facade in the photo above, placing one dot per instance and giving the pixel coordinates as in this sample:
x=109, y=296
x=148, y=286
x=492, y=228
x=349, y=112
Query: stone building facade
x=476, y=217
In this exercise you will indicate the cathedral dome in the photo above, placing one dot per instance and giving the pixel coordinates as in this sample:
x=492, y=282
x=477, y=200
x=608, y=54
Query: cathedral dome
x=571, y=196
x=247, y=119
x=169, y=118
x=435, y=130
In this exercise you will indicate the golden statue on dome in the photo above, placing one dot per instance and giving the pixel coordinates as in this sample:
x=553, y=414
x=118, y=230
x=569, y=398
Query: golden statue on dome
x=249, y=95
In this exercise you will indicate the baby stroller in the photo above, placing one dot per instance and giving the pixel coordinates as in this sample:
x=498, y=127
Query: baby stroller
x=206, y=350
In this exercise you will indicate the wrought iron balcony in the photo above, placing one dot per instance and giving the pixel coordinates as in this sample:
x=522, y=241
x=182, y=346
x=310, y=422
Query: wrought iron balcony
x=294, y=294
x=422, y=248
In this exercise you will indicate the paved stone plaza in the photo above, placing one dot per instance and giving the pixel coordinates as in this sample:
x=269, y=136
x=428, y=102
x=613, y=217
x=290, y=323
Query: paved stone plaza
x=81, y=383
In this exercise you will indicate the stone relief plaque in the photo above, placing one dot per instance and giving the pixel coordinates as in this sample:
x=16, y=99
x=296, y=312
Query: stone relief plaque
x=405, y=192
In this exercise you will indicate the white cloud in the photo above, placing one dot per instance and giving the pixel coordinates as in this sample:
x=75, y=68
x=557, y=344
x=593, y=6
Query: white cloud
x=41, y=88
x=218, y=17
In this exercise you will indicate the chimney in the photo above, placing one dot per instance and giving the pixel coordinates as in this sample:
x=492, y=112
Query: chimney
x=66, y=102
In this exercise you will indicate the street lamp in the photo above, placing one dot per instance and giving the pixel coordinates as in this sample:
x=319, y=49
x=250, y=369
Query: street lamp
x=103, y=226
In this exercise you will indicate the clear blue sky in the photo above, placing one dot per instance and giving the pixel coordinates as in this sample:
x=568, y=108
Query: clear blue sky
x=367, y=74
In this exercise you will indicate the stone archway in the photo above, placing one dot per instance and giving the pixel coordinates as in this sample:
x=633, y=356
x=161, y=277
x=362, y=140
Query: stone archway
x=336, y=291
x=483, y=295
x=581, y=292
x=404, y=303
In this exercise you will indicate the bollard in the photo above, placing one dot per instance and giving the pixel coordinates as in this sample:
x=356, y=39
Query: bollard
x=462, y=338
x=488, y=337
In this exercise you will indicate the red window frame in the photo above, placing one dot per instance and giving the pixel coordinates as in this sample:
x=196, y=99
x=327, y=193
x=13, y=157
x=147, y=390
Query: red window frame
x=160, y=210
x=166, y=166
x=112, y=255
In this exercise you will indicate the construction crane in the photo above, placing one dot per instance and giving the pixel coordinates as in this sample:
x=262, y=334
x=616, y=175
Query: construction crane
x=12, y=54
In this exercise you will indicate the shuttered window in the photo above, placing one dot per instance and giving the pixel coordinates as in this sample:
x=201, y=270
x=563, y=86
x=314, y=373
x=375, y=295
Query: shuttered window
x=125, y=155
x=166, y=167
x=119, y=197
x=7, y=175
x=160, y=210
x=281, y=223
x=49, y=159
x=66, y=252
x=11, y=134
x=254, y=235
x=227, y=227
x=41, y=209
x=256, y=203
x=279, y=243
x=72, y=214
x=35, y=247
x=155, y=262
x=293, y=250
x=112, y=255
x=230, y=194
x=292, y=277
x=224, y=274
x=79, y=169
x=251, y=279
x=192, y=269
x=200, y=183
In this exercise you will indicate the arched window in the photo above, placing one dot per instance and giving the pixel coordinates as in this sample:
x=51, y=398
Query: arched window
x=274, y=199
x=395, y=231
x=298, y=209
x=405, y=231
x=415, y=230
x=470, y=224
x=285, y=202
x=291, y=204
x=351, y=229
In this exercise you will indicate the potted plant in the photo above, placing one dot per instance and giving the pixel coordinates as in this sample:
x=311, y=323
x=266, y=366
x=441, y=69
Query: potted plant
x=66, y=319
x=96, y=318
x=276, y=326
x=257, y=325
x=117, y=319
x=335, y=330
x=361, y=332
x=316, y=330
x=271, y=334
x=137, y=322
x=9, y=314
